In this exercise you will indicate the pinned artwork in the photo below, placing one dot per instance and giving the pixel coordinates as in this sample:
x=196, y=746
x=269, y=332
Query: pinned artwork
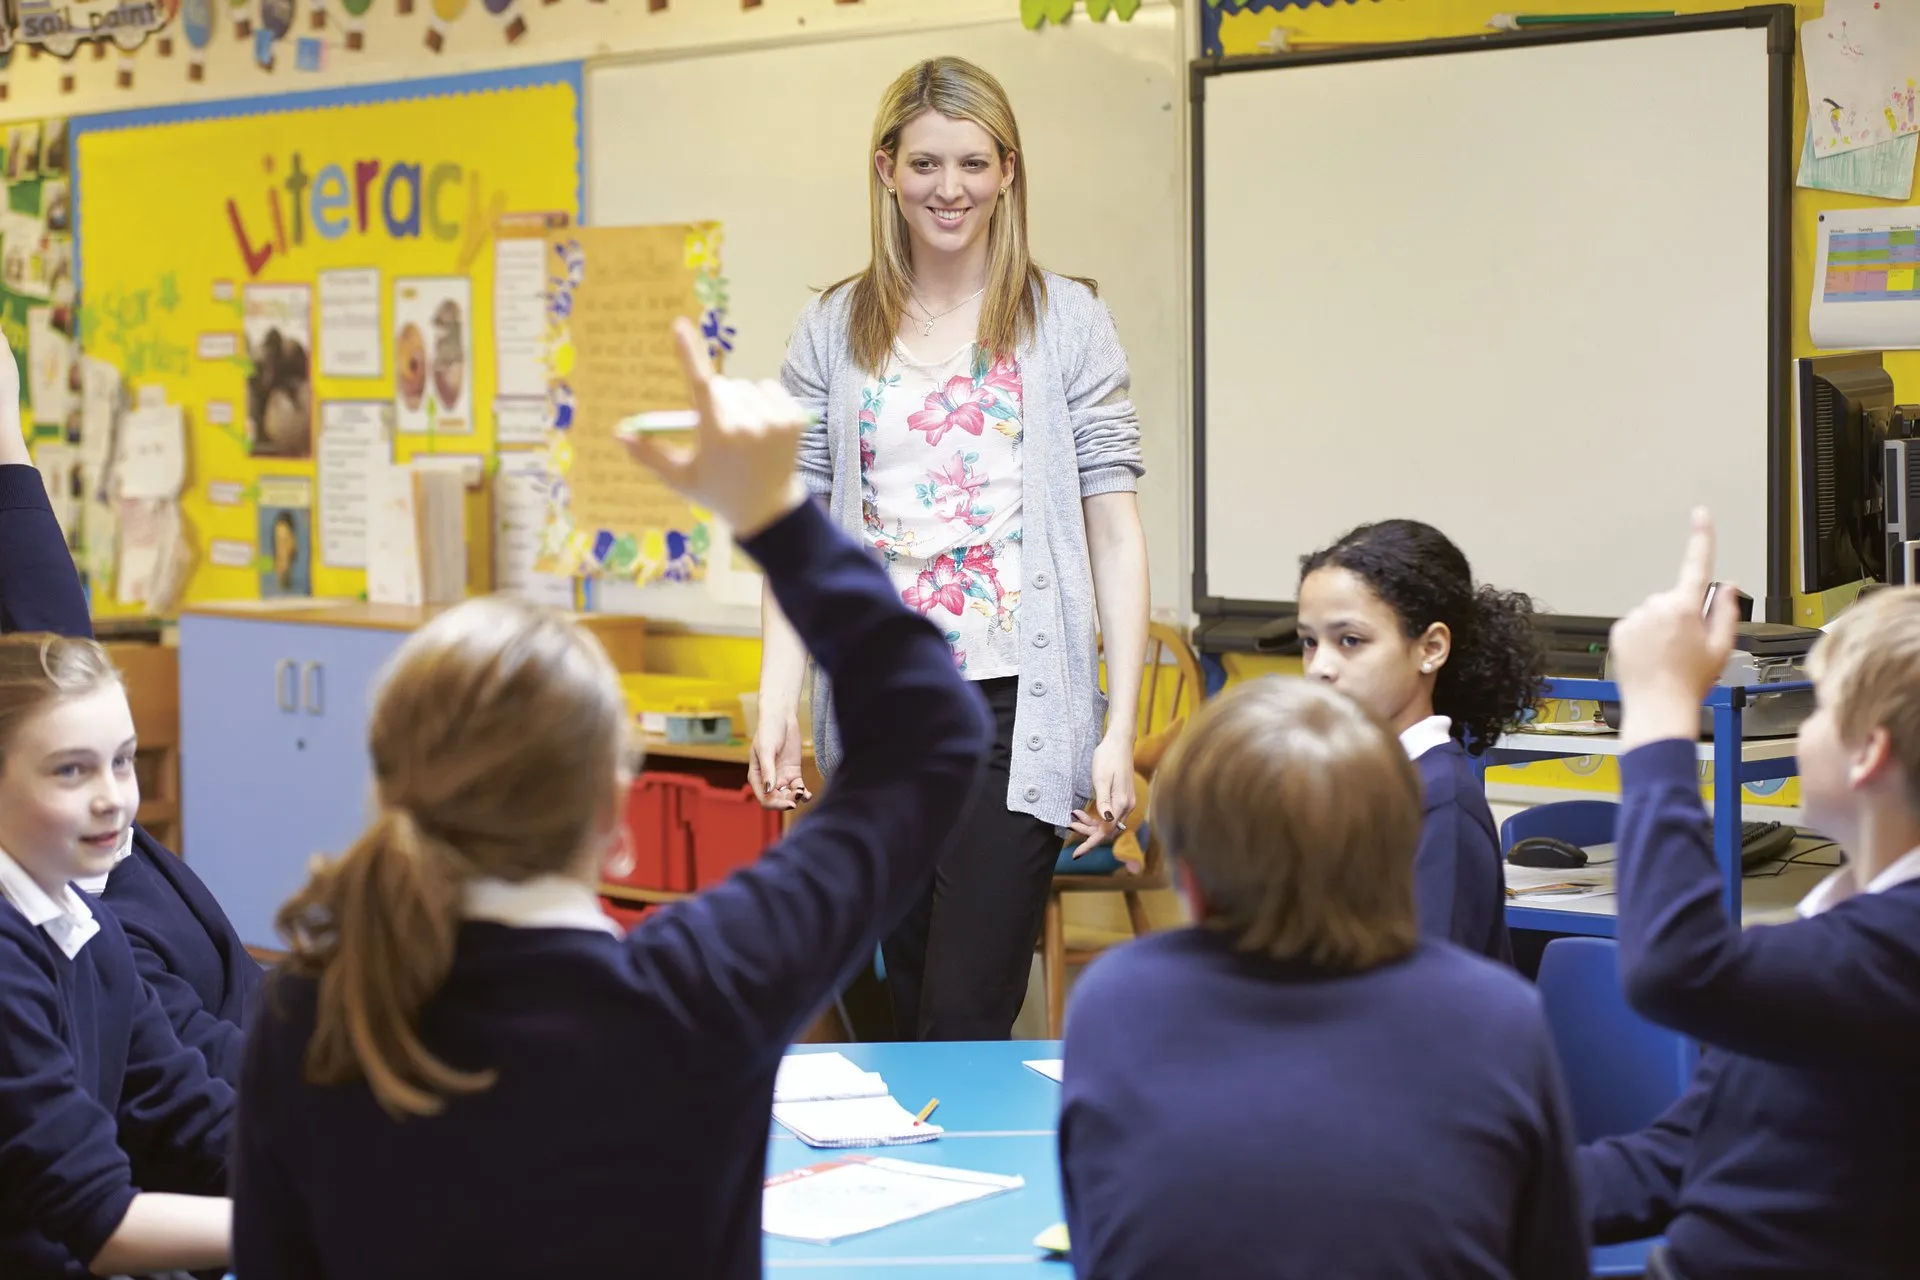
x=612, y=296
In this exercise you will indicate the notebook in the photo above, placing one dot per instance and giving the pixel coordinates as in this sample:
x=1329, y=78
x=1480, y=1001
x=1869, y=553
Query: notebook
x=854, y=1122
x=851, y=1197
x=819, y=1077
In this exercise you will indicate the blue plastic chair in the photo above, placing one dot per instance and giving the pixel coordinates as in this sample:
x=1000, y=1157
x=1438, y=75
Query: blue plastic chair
x=1581, y=822
x=1621, y=1070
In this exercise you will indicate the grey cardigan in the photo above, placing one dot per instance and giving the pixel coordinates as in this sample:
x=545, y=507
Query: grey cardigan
x=1080, y=438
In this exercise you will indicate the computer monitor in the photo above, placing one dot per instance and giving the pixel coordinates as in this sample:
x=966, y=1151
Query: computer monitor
x=1843, y=406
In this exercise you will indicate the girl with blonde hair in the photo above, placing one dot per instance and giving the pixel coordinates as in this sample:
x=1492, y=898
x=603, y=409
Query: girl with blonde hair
x=459, y=1034
x=976, y=433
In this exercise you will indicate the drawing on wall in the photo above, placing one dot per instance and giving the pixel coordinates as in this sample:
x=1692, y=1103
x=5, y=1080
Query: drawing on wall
x=433, y=354
x=278, y=320
x=286, y=551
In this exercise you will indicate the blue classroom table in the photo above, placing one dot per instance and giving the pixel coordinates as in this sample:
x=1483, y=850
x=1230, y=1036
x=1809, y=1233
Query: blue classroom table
x=999, y=1117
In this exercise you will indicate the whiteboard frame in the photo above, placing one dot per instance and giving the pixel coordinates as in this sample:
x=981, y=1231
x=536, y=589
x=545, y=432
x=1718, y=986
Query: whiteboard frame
x=1778, y=20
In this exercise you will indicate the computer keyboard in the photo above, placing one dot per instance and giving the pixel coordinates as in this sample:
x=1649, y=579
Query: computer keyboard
x=1764, y=842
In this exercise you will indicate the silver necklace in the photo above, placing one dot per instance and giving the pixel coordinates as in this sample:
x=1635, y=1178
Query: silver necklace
x=926, y=330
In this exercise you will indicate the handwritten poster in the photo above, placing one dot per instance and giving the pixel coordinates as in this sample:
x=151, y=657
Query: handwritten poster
x=612, y=296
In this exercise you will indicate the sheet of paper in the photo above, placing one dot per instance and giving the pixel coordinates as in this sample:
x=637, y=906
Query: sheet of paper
x=854, y=1122
x=818, y=1077
x=520, y=315
x=1862, y=60
x=350, y=332
x=1866, y=279
x=153, y=453
x=622, y=288
x=393, y=538
x=1884, y=170
x=49, y=367
x=520, y=421
x=1051, y=1068
x=433, y=354
x=23, y=255
x=142, y=529
x=353, y=444
x=100, y=400
x=522, y=490
x=846, y=1198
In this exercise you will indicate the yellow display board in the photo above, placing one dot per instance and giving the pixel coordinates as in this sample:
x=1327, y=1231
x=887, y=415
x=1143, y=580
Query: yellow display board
x=311, y=277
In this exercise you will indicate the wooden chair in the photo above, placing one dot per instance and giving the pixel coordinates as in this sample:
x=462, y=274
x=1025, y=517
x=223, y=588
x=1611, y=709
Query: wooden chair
x=1171, y=687
x=152, y=674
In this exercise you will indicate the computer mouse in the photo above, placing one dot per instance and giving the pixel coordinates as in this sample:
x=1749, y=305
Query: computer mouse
x=1545, y=851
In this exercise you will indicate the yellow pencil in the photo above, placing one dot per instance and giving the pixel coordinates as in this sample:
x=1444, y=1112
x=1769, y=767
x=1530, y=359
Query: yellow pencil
x=926, y=1111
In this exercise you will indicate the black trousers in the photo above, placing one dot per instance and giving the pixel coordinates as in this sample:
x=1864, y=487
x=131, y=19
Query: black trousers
x=957, y=965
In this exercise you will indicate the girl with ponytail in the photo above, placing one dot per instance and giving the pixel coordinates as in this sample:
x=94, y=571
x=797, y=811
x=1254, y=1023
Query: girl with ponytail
x=459, y=1032
x=1391, y=616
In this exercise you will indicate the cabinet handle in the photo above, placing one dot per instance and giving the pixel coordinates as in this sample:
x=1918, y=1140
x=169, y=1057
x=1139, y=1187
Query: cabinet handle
x=283, y=695
x=310, y=688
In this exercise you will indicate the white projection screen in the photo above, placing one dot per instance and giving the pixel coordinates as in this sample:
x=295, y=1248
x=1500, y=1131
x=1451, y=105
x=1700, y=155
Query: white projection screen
x=1533, y=290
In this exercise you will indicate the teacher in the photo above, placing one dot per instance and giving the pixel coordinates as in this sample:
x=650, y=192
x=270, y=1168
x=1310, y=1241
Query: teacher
x=975, y=430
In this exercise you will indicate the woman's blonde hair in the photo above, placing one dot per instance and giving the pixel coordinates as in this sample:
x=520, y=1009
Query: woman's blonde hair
x=38, y=670
x=1016, y=287
x=1297, y=814
x=497, y=738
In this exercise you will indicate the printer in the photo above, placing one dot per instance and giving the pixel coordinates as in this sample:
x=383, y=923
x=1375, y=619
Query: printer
x=1764, y=653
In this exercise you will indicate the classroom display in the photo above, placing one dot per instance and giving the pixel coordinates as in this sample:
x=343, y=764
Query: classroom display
x=324, y=298
x=612, y=293
x=1569, y=327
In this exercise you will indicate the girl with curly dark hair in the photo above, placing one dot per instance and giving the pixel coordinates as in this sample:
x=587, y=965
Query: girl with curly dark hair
x=1390, y=615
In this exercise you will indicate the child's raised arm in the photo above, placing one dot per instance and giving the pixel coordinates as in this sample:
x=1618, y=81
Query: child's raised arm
x=39, y=590
x=757, y=956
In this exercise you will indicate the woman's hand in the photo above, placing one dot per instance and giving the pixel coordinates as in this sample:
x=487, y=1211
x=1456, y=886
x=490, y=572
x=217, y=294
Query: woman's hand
x=773, y=765
x=1113, y=797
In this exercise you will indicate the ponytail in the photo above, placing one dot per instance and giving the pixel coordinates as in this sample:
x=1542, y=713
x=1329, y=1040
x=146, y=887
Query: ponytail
x=1492, y=676
x=376, y=927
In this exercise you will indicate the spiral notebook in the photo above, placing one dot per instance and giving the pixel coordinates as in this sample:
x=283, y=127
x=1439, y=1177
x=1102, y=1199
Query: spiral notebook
x=854, y=1122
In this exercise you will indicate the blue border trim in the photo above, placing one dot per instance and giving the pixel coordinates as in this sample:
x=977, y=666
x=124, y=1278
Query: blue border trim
x=572, y=74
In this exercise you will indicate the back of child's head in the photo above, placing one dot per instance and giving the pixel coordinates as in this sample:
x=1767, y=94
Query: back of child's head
x=498, y=740
x=1868, y=669
x=1492, y=674
x=38, y=670
x=1297, y=813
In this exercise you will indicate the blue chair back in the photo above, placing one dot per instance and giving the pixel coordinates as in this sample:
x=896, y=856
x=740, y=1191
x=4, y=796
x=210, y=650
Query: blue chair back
x=1621, y=1070
x=1581, y=822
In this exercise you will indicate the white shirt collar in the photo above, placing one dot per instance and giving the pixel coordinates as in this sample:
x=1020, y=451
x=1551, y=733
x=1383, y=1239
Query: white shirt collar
x=67, y=919
x=1839, y=886
x=1418, y=739
x=97, y=885
x=543, y=902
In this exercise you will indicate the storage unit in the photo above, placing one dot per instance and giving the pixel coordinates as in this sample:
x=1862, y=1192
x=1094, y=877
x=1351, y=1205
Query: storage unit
x=274, y=704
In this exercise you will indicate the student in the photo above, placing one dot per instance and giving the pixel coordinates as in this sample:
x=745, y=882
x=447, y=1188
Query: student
x=1390, y=616
x=91, y=1074
x=1797, y=1150
x=461, y=1069
x=1301, y=1085
x=182, y=941
x=975, y=431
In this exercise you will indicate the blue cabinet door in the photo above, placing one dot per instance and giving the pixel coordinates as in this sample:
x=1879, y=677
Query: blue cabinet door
x=273, y=754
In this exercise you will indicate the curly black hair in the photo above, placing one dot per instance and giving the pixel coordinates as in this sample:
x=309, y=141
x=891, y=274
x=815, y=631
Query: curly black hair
x=1493, y=675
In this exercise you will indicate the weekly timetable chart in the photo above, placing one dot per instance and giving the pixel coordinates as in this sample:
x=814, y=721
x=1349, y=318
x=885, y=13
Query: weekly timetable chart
x=1867, y=279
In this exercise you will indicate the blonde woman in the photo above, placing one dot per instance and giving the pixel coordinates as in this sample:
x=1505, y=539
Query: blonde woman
x=975, y=432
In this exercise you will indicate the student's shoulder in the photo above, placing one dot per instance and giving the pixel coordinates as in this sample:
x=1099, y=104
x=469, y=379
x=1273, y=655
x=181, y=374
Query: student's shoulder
x=1448, y=777
x=1156, y=966
x=1481, y=991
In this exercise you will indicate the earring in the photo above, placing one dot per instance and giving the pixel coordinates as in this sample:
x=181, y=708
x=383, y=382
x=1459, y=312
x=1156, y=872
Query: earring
x=1427, y=667
x=890, y=191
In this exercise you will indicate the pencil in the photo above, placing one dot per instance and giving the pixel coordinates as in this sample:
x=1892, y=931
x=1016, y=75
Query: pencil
x=641, y=424
x=926, y=1111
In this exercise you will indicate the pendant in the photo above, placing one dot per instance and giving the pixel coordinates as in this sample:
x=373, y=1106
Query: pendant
x=926, y=330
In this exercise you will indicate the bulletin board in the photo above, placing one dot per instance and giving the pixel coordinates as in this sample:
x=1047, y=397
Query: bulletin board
x=312, y=278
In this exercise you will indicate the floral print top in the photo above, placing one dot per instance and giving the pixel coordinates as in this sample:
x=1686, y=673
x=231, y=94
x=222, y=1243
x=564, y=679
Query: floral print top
x=940, y=493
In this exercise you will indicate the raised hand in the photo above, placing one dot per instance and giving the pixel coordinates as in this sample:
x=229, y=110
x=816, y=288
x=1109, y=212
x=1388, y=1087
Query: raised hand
x=1666, y=654
x=741, y=464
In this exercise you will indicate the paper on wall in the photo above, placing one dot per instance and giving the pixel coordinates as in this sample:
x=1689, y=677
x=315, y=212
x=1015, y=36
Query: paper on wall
x=1884, y=170
x=393, y=537
x=1866, y=279
x=521, y=494
x=350, y=334
x=520, y=316
x=353, y=445
x=1862, y=62
x=49, y=366
x=433, y=354
x=152, y=461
